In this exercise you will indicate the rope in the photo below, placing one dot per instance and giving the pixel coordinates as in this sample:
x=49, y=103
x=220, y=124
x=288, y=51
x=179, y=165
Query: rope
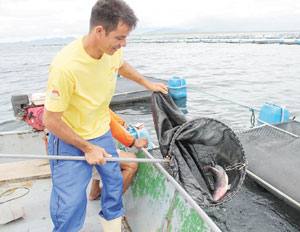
x=238, y=166
x=252, y=109
x=252, y=118
x=10, y=192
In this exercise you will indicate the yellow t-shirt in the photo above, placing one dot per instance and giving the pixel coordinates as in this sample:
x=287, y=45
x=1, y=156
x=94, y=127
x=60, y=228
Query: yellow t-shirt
x=82, y=87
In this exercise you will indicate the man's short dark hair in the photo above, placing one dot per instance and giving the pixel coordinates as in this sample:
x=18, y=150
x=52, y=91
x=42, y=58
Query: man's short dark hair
x=108, y=13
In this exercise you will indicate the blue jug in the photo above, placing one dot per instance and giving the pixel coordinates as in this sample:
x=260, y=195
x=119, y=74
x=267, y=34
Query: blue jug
x=178, y=92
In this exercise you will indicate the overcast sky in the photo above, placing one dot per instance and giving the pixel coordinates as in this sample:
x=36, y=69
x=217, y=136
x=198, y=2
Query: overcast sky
x=23, y=19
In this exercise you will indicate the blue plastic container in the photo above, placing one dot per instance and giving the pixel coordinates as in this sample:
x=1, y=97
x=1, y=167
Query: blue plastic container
x=177, y=87
x=141, y=133
x=178, y=92
x=273, y=114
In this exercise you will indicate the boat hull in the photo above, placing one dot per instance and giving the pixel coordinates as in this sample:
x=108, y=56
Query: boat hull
x=154, y=202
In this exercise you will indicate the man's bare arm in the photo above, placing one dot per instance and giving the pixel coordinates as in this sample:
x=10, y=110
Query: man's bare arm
x=53, y=122
x=127, y=71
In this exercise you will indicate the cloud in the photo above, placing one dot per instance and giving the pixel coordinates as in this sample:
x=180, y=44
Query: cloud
x=21, y=19
x=177, y=13
x=34, y=18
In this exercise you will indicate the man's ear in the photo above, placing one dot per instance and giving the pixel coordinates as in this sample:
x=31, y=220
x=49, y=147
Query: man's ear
x=99, y=31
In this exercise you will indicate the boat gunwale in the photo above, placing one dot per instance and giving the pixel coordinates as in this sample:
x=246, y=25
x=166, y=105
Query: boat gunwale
x=17, y=132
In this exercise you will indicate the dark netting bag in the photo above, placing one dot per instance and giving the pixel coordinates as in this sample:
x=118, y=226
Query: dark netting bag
x=195, y=147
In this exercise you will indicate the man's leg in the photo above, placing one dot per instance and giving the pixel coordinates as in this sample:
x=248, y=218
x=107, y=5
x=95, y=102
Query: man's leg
x=128, y=169
x=95, y=190
x=69, y=182
x=128, y=172
x=111, y=194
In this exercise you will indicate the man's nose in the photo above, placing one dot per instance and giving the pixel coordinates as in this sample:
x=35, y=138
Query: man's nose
x=123, y=43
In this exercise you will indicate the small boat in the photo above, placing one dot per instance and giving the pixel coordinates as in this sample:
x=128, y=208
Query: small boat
x=130, y=92
x=154, y=202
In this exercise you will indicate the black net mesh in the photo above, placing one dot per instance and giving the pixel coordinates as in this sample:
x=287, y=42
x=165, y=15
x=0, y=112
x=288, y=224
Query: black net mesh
x=195, y=145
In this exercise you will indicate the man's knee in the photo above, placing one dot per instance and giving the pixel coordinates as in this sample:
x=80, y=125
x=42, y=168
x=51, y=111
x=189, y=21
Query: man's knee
x=133, y=166
x=115, y=178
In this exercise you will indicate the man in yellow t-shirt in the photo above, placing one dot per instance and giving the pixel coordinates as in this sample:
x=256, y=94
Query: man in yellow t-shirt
x=81, y=84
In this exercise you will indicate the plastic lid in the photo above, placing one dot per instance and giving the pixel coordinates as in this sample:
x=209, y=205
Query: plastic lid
x=176, y=82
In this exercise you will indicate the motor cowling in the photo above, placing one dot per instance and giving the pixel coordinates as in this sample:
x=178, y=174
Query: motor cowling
x=19, y=104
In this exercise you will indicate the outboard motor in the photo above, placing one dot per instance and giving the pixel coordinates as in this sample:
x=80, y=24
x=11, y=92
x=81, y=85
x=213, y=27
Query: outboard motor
x=29, y=110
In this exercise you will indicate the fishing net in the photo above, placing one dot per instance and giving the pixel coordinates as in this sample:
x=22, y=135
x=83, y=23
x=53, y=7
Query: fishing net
x=273, y=155
x=195, y=145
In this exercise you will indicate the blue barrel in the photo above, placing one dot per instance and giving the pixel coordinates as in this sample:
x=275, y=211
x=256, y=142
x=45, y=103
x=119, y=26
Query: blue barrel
x=273, y=114
x=177, y=90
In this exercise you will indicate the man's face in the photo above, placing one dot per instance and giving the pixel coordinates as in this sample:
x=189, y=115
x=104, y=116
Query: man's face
x=114, y=40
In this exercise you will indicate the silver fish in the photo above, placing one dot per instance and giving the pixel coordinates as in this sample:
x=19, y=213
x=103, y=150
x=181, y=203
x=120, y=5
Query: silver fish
x=221, y=181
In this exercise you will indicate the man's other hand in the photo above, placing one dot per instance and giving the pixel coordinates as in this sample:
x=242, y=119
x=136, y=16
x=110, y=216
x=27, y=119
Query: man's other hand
x=140, y=143
x=158, y=87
